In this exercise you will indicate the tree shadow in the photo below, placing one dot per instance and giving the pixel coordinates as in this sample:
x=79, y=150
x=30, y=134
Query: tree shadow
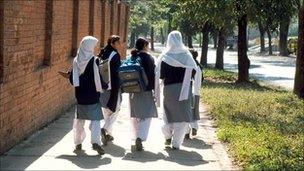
x=186, y=158
x=243, y=86
x=196, y=143
x=82, y=160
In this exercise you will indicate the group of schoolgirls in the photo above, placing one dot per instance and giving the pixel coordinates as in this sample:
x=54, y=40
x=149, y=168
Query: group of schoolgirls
x=100, y=80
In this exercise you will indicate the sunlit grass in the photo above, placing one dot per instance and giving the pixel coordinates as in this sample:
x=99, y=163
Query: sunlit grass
x=263, y=126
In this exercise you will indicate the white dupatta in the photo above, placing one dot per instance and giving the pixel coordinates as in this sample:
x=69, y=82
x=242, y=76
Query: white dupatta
x=84, y=55
x=176, y=54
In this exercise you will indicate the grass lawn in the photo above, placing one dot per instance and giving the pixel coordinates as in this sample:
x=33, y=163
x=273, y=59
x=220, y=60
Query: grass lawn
x=263, y=126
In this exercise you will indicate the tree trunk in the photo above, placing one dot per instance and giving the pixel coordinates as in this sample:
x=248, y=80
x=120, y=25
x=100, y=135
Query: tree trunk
x=205, y=32
x=169, y=25
x=162, y=36
x=262, y=37
x=283, y=41
x=215, y=41
x=152, y=38
x=219, y=64
x=270, y=41
x=243, y=61
x=189, y=40
x=200, y=40
x=136, y=36
x=299, y=77
x=132, y=42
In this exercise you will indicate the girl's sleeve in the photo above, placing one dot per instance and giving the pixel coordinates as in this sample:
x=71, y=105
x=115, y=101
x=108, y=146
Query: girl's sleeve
x=162, y=70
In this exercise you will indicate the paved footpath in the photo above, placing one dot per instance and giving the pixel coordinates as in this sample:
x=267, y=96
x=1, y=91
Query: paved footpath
x=52, y=149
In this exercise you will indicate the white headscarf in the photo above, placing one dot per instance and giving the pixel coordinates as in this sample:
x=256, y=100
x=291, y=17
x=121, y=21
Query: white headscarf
x=84, y=55
x=177, y=54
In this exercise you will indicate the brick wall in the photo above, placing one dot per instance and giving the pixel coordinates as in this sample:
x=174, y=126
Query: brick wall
x=37, y=39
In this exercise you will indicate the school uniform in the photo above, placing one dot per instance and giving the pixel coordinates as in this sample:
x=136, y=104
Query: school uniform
x=142, y=105
x=178, y=114
x=195, y=99
x=86, y=79
x=175, y=67
x=111, y=97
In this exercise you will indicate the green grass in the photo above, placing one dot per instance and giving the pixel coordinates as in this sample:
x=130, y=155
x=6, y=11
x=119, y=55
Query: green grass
x=263, y=126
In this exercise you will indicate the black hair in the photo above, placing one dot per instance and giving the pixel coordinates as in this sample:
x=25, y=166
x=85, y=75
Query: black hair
x=140, y=44
x=111, y=40
x=193, y=52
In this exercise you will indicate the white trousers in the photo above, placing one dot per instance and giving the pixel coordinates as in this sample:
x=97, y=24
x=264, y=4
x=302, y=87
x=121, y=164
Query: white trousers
x=175, y=131
x=79, y=132
x=192, y=125
x=140, y=128
x=109, y=119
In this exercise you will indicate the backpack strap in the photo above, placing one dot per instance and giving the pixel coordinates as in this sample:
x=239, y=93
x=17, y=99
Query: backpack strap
x=109, y=68
x=136, y=58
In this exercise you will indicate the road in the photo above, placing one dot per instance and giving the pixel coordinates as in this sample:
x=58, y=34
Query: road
x=275, y=70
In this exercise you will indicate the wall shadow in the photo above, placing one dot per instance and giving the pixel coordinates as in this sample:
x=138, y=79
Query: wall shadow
x=33, y=147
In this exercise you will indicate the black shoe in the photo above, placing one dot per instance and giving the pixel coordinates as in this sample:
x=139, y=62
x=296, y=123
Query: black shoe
x=187, y=136
x=194, y=132
x=109, y=137
x=78, y=147
x=175, y=148
x=98, y=148
x=138, y=144
x=103, y=137
x=168, y=142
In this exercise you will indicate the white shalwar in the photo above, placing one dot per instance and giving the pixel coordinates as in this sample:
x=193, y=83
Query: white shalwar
x=140, y=128
x=79, y=132
x=192, y=125
x=109, y=119
x=175, y=131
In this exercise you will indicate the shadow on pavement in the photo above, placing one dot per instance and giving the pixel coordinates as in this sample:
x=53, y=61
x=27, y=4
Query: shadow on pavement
x=143, y=156
x=35, y=146
x=82, y=160
x=114, y=150
x=186, y=158
x=196, y=143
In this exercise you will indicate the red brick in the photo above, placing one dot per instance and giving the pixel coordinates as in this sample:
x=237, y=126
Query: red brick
x=31, y=95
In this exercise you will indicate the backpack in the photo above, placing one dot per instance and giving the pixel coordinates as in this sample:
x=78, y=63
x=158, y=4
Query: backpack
x=104, y=68
x=132, y=76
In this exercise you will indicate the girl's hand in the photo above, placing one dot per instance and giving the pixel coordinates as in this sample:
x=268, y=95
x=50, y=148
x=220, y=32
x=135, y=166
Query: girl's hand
x=64, y=74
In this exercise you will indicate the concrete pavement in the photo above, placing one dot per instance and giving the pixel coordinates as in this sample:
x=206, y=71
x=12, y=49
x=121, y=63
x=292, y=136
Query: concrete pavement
x=52, y=149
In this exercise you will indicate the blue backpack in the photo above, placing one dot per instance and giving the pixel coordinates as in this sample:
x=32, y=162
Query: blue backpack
x=133, y=78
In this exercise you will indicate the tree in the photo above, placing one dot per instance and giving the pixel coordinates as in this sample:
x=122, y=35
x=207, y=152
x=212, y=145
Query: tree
x=273, y=15
x=146, y=17
x=138, y=21
x=269, y=11
x=219, y=63
x=221, y=18
x=299, y=76
x=187, y=27
x=262, y=36
x=260, y=19
x=196, y=12
x=241, y=7
x=285, y=10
